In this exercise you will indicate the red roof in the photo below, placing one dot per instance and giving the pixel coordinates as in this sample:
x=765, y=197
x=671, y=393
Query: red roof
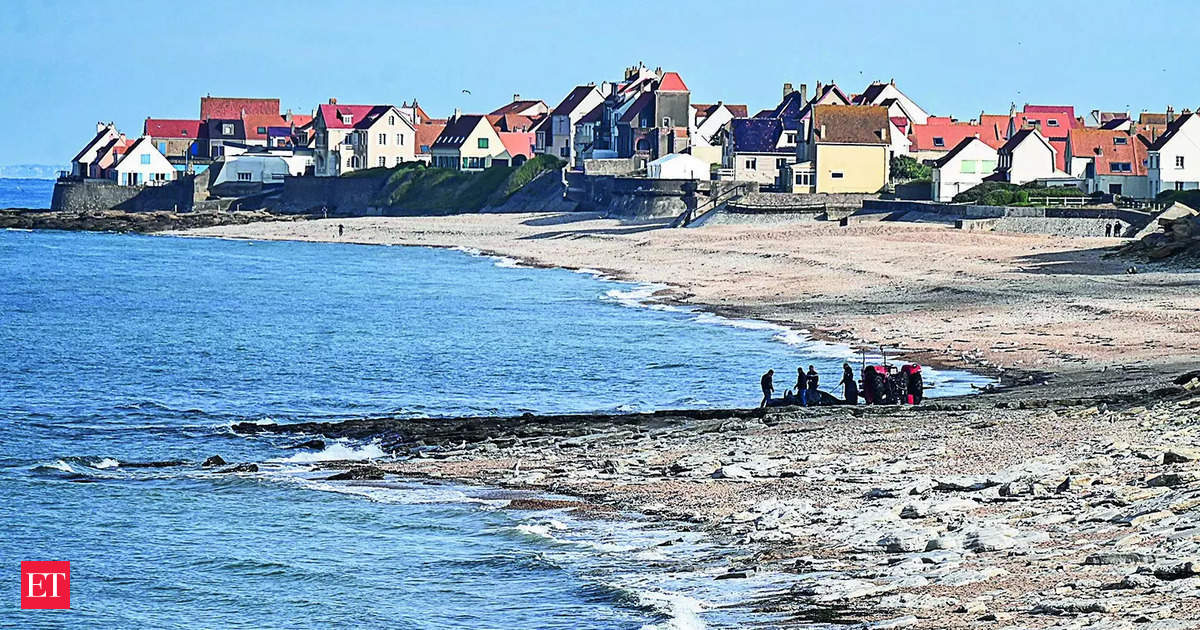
x=517, y=143
x=219, y=107
x=172, y=128
x=361, y=116
x=512, y=122
x=671, y=82
x=426, y=134
x=254, y=122
x=1107, y=146
x=941, y=133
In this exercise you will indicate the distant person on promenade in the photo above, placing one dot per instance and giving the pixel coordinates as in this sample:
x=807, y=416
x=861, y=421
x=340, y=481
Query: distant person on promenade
x=814, y=396
x=768, y=387
x=340, y=229
x=849, y=386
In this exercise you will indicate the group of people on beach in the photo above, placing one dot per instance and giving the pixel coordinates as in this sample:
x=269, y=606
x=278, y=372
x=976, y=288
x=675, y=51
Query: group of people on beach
x=807, y=392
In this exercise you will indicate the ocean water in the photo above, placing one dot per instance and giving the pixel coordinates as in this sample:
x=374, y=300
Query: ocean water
x=25, y=193
x=123, y=349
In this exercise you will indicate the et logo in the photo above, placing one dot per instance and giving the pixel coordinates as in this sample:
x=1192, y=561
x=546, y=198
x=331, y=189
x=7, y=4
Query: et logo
x=45, y=585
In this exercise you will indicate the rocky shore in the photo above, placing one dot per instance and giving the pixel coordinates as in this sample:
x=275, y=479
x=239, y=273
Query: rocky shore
x=1074, y=503
x=120, y=221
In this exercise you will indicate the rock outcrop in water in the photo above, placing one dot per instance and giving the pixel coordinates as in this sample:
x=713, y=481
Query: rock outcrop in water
x=119, y=221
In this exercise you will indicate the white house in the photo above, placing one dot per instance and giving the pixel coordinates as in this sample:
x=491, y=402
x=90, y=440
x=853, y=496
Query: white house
x=106, y=133
x=678, y=166
x=963, y=168
x=354, y=137
x=1027, y=156
x=557, y=137
x=1174, y=159
x=1109, y=161
x=142, y=164
x=889, y=96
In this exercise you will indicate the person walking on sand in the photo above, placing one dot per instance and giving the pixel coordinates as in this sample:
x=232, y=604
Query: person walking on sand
x=814, y=396
x=768, y=387
x=849, y=386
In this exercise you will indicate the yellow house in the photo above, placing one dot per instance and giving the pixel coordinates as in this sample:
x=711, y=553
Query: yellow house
x=468, y=143
x=846, y=150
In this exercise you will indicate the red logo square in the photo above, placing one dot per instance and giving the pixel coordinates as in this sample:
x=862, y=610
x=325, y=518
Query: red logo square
x=45, y=585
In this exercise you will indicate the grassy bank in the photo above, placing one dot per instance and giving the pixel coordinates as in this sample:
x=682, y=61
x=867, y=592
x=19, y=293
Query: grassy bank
x=420, y=188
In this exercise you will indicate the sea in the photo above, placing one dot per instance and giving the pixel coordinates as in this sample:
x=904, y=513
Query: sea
x=127, y=358
x=25, y=193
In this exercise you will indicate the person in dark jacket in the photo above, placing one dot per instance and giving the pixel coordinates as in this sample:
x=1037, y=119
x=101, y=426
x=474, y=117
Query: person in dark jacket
x=768, y=387
x=849, y=385
x=814, y=395
x=801, y=386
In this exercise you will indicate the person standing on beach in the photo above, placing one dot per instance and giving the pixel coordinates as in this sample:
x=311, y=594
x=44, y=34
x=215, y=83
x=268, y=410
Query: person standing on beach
x=768, y=387
x=340, y=229
x=849, y=386
x=802, y=387
x=814, y=396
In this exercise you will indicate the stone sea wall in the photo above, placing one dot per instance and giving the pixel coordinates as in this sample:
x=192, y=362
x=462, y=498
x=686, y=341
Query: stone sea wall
x=339, y=196
x=95, y=194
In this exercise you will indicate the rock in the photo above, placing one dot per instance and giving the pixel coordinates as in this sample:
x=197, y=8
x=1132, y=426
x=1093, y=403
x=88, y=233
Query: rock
x=1180, y=571
x=732, y=471
x=316, y=445
x=906, y=541
x=1074, y=607
x=734, y=575
x=962, y=484
x=1119, y=558
x=1180, y=455
x=214, y=460
x=240, y=468
x=1171, y=480
x=1136, y=580
x=358, y=473
x=987, y=539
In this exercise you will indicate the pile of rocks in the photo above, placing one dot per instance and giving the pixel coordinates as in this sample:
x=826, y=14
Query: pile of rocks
x=121, y=221
x=1178, y=238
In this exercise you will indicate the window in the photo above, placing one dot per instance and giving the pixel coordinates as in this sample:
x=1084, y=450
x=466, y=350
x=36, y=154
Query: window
x=791, y=137
x=969, y=166
x=804, y=179
x=1178, y=185
x=939, y=142
x=383, y=138
x=752, y=163
x=162, y=147
x=262, y=130
x=391, y=120
x=464, y=163
x=563, y=152
x=1178, y=161
x=1120, y=140
x=347, y=119
x=382, y=161
x=424, y=148
x=1120, y=167
x=244, y=176
x=835, y=175
x=400, y=139
x=183, y=133
x=666, y=121
x=483, y=143
x=987, y=166
x=780, y=163
x=1051, y=123
x=353, y=161
x=226, y=130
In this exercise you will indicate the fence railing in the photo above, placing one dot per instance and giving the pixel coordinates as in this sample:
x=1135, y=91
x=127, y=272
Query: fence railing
x=1061, y=202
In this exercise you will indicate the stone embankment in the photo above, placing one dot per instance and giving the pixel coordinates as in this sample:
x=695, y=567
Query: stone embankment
x=1178, y=238
x=120, y=221
x=1002, y=510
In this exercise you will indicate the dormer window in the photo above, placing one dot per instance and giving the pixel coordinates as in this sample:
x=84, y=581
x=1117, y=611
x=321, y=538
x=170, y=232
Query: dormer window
x=1120, y=140
x=1051, y=123
x=1034, y=121
x=183, y=133
x=347, y=119
x=227, y=130
x=939, y=142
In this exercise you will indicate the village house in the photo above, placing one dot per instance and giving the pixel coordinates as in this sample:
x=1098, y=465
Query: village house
x=468, y=143
x=939, y=134
x=216, y=132
x=962, y=168
x=556, y=135
x=523, y=107
x=142, y=165
x=1174, y=158
x=1112, y=161
x=106, y=135
x=107, y=157
x=1053, y=122
x=598, y=132
x=1027, y=156
x=656, y=124
x=897, y=103
x=846, y=150
x=354, y=137
x=709, y=121
x=757, y=150
x=174, y=138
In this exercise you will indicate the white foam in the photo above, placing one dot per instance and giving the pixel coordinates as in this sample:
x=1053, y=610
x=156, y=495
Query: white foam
x=683, y=611
x=107, y=462
x=337, y=451
x=505, y=262
x=61, y=465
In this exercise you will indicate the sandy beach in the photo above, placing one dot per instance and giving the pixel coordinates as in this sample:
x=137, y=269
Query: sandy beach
x=984, y=300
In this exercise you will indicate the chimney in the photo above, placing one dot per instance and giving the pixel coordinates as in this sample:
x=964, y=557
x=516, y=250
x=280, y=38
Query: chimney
x=1170, y=114
x=457, y=113
x=100, y=126
x=803, y=93
x=787, y=89
x=516, y=97
x=333, y=101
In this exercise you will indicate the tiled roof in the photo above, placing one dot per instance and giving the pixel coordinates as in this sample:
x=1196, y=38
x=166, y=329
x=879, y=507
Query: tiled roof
x=958, y=148
x=952, y=132
x=426, y=134
x=1172, y=129
x=516, y=107
x=573, y=99
x=172, y=128
x=1152, y=118
x=361, y=116
x=517, y=143
x=220, y=107
x=456, y=131
x=671, y=82
x=850, y=124
x=703, y=111
x=254, y=122
x=512, y=122
x=757, y=135
x=1107, y=146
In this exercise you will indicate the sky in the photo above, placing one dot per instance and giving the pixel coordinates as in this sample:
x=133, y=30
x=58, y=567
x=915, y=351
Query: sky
x=66, y=65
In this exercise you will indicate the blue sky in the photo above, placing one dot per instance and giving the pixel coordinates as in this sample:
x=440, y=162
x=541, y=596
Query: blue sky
x=65, y=65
